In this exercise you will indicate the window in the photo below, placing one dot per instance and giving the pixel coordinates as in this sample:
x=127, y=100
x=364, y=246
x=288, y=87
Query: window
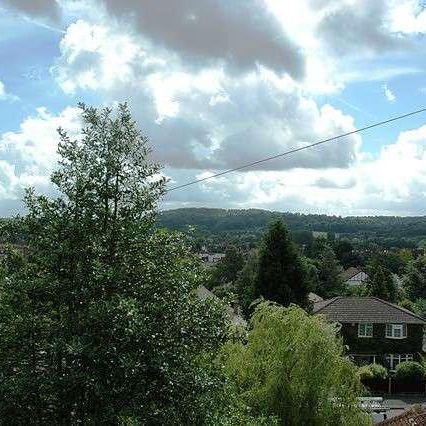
x=365, y=329
x=394, y=359
x=396, y=331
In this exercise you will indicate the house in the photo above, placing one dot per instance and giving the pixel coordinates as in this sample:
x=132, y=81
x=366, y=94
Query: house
x=354, y=276
x=314, y=298
x=235, y=319
x=211, y=259
x=374, y=330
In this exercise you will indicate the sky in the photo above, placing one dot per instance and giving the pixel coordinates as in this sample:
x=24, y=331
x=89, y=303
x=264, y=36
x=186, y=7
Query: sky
x=216, y=84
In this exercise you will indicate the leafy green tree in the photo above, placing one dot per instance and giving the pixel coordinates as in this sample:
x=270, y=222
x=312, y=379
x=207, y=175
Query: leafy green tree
x=246, y=282
x=292, y=366
x=410, y=370
x=282, y=274
x=101, y=323
x=330, y=283
x=415, y=279
x=381, y=283
x=419, y=307
x=228, y=267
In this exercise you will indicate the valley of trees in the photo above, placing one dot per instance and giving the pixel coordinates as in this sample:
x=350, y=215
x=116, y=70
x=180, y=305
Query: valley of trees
x=388, y=230
x=101, y=322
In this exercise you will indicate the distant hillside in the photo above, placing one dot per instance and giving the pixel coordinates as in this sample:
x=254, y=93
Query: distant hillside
x=222, y=220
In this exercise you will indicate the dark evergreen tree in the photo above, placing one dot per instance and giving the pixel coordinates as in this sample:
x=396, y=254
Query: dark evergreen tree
x=282, y=274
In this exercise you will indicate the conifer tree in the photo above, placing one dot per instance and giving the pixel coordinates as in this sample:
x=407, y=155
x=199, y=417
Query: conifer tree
x=282, y=273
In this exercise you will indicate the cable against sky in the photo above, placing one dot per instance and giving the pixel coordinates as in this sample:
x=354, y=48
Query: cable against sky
x=294, y=150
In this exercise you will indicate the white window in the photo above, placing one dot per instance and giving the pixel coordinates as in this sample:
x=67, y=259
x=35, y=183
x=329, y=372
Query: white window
x=396, y=331
x=394, y=359
x=365, y=329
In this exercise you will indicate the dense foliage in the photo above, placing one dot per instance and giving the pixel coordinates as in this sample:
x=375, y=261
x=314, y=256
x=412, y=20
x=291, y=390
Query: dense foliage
x=409, y=370
x=415, y=279
x=372, y=371
x=101, y=323
x=282, y=274
x=219, y=220
x=329, y=283
x=292, y=367
x=380, y=282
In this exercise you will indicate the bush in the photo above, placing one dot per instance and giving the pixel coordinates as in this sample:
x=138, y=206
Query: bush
x=409, y=370
x=372, y=371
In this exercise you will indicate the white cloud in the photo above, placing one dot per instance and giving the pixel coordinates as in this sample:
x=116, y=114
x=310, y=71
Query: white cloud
x=389, y=95
x=2, y=91
x=212, y=99
x=5, y=96
x=93, y=56
x=202, y=118
x=392, y=183
x=28, y=156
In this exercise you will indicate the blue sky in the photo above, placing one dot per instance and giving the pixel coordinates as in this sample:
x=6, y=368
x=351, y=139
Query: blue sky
x=272, y=78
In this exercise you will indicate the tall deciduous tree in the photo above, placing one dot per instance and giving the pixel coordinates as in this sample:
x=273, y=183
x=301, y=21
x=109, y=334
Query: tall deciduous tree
x=282, y=273
x=415, y=279
x=381, y=283
x=292, y=366
x=330, y=283
x=101, y=322
x=245, y=286
x=227, y=269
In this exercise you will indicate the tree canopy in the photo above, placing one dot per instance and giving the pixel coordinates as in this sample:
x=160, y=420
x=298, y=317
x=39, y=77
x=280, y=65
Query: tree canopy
x=293, y=367
x=282, y=273
x=101, y=323
x=415, y=279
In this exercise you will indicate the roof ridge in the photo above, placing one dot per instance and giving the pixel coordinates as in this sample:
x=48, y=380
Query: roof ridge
x=400, y=308
x=328, y=302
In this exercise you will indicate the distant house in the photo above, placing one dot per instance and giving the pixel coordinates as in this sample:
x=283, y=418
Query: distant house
x=211, y=259
x=354, y=276
x=314, y=298
x=374, y=330
x=235, y=319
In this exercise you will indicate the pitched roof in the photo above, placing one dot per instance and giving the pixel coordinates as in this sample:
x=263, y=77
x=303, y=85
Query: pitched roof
x=204, y=293
x=365, y=309
x=314, y=298
x=347, y=274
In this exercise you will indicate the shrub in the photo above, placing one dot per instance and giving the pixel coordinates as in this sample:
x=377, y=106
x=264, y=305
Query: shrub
x=372, y=371
x=409, y=370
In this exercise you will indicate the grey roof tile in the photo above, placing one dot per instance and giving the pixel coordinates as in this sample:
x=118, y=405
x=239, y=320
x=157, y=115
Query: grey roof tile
x=365, y=309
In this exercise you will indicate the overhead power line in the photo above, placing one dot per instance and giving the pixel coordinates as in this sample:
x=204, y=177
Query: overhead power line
x=292, y=151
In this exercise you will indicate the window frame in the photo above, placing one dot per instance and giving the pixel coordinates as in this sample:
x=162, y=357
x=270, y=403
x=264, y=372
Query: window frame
x=367, y=326
x=391, y=359
x=396, y=327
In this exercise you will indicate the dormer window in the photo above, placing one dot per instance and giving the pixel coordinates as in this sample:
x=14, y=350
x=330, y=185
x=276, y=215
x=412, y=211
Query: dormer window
x=396, y=331
x=365, y=329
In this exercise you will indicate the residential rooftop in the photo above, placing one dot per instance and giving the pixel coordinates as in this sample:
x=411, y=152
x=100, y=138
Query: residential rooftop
x=365, y=309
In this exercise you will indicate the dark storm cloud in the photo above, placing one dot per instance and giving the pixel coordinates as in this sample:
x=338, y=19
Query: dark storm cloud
x=358, y=28
x=241, y=33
